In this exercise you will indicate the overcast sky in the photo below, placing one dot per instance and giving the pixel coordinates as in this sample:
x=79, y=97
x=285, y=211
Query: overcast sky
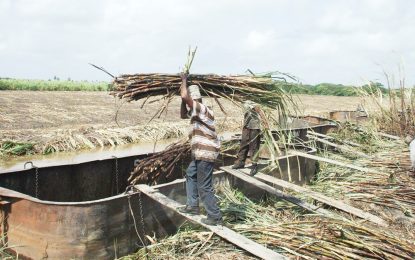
x=344, y=42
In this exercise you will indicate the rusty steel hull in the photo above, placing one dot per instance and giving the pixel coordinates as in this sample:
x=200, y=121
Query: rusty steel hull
x=99, y=223
x=295, y=169
x=80, y=211
x=351, y=116
x=297, y=132
x=100, y=229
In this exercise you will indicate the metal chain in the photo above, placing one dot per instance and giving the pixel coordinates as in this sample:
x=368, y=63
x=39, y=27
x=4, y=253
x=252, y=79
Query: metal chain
x=141, y=215
x=116, y=174
x=141, y=211
x=132, y=214
x=37, y=182
x=36, y=177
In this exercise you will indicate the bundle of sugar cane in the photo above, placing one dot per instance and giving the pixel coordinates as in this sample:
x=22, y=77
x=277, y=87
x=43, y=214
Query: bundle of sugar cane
x=309, y=236
x=160, y=166
x=266, y=89
x=391, y=194
x=263, y=89
x=322, y=238
x=392, y=190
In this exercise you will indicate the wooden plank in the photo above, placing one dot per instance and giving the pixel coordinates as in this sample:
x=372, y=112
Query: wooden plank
x=393, y=137
x=332, y=138
x=322, y=198
x=339, y=147
x=327, y=160
x=222, y=231
x=274, y=191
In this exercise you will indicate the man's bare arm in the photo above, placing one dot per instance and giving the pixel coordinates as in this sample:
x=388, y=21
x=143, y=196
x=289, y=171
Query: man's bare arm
x=183, y=91
x=183, y=110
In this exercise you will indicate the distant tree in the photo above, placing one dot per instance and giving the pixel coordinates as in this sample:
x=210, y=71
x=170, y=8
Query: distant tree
x=373, y=87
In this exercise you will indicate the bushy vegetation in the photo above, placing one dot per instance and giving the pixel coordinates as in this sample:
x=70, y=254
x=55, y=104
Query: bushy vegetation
x=335, y=89
x=52, y=85
x=70, y=85
x=395, y=112
x=15, y=148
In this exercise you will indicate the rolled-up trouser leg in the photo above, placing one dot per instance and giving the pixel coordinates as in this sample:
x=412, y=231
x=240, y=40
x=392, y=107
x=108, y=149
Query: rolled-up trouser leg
x=205, y=187
x=191, y=185
x=255, y=142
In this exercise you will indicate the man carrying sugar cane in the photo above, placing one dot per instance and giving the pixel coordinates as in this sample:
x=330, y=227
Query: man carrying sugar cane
x=250, y=138
x=205, y=149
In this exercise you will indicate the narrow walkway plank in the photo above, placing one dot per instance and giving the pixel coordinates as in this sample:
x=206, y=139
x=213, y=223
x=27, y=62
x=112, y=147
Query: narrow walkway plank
x=341, y=148
x=332, y=138
x=393, y=137
x=327, y=160
x=322, y=198
x=274, y=191
x=222, y=231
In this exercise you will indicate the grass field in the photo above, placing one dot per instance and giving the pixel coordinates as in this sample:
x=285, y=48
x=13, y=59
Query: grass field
x=52, y=85
x=329, y=89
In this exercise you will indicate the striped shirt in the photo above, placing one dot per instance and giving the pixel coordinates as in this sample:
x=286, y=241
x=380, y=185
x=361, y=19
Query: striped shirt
x=205, y=143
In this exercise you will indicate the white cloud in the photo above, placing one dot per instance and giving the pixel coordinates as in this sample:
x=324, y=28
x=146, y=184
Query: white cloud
x=258, y=39
x=331, y=41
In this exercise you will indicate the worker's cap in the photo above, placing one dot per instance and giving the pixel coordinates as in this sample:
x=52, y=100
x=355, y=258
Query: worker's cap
x=248, y=104
x=194, y=92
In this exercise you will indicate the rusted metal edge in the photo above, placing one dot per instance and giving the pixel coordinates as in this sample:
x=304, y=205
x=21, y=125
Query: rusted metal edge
x=17, y=195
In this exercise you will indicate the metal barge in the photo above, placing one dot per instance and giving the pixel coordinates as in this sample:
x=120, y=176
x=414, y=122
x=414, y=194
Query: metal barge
x=83, y=211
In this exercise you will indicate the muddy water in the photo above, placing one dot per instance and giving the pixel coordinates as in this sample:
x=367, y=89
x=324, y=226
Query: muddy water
x=65, y=158
x=15, y=164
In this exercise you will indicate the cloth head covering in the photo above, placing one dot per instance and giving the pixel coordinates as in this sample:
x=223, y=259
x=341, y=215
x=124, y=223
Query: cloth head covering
x=408, y=139
x=194, y=92
x=248, y=104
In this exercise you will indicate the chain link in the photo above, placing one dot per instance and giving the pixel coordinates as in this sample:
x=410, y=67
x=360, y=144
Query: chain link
x=131, y=188
x=116, y=174
x=141, y=211
x=37, y=182
x=36, y=177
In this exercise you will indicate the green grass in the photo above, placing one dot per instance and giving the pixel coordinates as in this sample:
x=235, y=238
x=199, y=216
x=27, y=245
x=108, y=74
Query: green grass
x=15, y=148
x=52, y=85
x=331, y=89
x=70, y=85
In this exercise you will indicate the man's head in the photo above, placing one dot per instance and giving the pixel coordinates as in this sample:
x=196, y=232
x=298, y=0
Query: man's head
x=194, y=93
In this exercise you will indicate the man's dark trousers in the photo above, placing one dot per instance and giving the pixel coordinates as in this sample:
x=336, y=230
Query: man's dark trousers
x=250, y=143
x=199, y=176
